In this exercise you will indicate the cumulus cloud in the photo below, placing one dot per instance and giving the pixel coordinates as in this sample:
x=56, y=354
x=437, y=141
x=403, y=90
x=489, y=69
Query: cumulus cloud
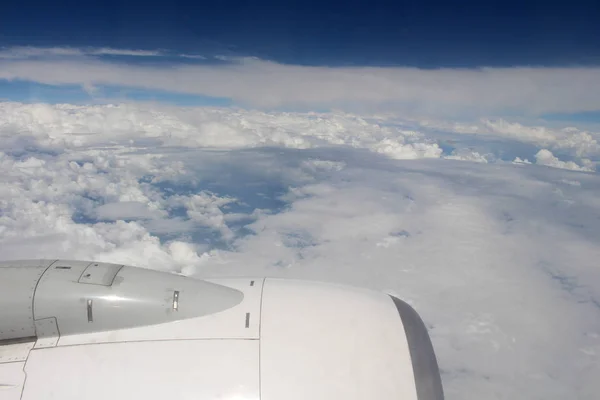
x=467, y=155
x=261, y=83
x=578, y=142
x=130, y=210
x=141, y=125
x=583, y=142
x=545, y=157
x=499, y=259
x=76, y=126
x=519, y=160
x=205, y=209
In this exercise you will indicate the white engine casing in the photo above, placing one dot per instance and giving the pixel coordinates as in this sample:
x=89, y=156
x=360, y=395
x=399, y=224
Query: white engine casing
x=74, y=330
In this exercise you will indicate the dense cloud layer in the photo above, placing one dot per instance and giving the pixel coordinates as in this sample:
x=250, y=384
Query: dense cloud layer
x=76, y=126
x=499, y=258
x=260, y=83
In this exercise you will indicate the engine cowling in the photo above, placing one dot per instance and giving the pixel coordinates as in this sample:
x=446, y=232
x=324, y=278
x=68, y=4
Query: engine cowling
x=120, y=332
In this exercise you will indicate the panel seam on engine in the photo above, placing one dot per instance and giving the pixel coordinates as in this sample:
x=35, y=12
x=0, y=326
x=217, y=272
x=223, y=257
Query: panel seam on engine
x=260, y=317
x=59, y=346
x=36, y=287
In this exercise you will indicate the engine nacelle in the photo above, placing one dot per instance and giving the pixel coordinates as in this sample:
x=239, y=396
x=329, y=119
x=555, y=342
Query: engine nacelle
x=87, y=330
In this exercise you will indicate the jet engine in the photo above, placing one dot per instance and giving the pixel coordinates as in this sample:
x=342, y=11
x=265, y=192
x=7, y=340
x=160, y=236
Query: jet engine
x=75, y=330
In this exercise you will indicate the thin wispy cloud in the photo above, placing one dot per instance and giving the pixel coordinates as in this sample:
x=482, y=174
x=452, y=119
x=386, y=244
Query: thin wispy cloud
x=193, y=56
x=107, y=51
x=26, y=52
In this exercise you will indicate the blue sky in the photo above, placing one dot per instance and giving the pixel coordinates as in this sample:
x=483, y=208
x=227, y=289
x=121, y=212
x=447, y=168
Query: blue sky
x=408, y=33
x=31, y=92
x=281, y=55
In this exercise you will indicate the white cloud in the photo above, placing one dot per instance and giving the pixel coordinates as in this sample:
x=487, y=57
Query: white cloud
x=260, y=83
x=107, y=51
x=193, y=56
x=519, y=160
x=467, y=155
x=25, y=52
x=205, y=208
x=400, y=151
x=579, y=142
x=126, y=210
x=545, y=157
x=76, y=126
x=499, y=259
x=316, y=165
x=582, y=142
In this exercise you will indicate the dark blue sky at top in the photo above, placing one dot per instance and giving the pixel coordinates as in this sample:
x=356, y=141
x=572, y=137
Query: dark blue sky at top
x=412, y=33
